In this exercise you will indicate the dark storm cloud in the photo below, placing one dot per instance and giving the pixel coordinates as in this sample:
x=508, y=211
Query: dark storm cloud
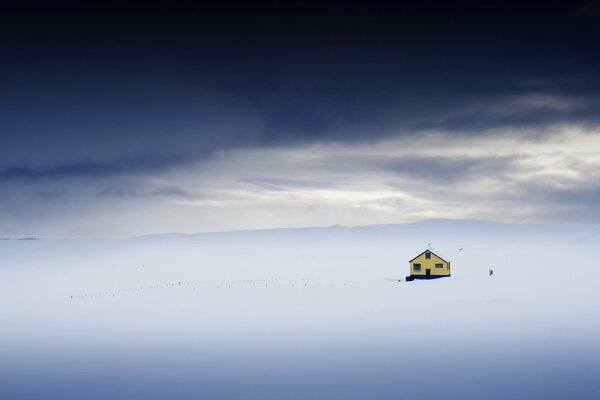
x=435, y=169
x=581, y=193
x=273, y=183
x=447, y=170
x=51, y=195
x=92, y=169
x=103, y=80
x=540, y=116
x=128, y=192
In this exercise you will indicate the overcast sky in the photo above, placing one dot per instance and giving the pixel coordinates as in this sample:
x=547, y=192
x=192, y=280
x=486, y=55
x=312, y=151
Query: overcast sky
x=118, y=121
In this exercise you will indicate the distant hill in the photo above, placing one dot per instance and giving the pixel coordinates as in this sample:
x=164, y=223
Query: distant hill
x=433, y=227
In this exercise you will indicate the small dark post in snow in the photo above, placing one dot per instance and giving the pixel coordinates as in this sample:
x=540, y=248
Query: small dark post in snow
x=491, y=272
x=179, y=283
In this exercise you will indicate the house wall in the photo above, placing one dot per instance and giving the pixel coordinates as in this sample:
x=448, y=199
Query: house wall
x=425, y=263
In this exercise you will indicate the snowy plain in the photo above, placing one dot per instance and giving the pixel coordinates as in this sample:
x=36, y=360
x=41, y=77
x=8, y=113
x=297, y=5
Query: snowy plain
x=304, y=314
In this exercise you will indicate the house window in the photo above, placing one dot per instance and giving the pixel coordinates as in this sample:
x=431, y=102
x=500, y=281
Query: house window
x=439, y=265
x=417, y=267
x=428, y=256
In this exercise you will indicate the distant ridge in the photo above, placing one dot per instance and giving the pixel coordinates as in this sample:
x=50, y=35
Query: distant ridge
x=441, y=224
x=25, y=238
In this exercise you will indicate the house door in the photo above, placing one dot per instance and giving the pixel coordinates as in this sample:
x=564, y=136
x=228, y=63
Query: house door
x=428, y=272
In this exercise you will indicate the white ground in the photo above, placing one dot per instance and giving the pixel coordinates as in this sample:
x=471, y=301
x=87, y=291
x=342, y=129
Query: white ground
x=304, y=313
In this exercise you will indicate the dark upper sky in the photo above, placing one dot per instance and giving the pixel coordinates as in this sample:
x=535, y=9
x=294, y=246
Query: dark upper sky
x=301, y=67
x=113, y=90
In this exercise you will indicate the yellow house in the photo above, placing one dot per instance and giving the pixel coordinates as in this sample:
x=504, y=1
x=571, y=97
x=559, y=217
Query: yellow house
x=428, y=265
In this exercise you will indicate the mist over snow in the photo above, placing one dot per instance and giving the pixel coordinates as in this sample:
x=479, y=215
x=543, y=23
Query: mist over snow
x=304, y=313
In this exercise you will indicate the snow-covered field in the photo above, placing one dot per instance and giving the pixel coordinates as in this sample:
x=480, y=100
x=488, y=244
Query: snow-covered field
x=304, y=313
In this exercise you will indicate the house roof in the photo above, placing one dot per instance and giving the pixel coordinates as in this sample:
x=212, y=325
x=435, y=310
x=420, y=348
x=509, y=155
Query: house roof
x=431, y=251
